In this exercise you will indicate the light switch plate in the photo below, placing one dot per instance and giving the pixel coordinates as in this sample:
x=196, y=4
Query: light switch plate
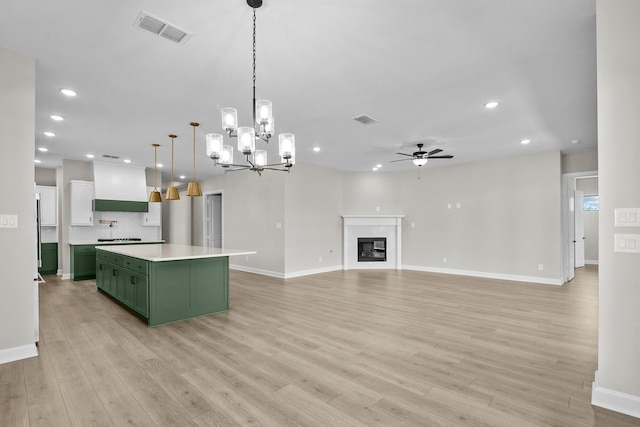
x=8, y=221
x=628, y=243
x=627, y=217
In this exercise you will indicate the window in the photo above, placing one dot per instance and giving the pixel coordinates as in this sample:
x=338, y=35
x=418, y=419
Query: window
x=591, y=203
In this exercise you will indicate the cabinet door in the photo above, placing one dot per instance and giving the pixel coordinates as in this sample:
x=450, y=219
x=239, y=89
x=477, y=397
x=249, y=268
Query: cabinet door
x=48, y=206
x=49, y=253
x=129, y=289
x=84, y=262
x=118, y=278
x=81, y=203
x=141, y=302
x=153, y=218
x=102, y=276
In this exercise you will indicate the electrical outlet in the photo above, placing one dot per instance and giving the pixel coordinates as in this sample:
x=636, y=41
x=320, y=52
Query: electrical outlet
x=320, y=259
x=540, y=267
x=278, y=225
x=458, y=205
x=444, y=260
x=413, y=225
x=377, y=208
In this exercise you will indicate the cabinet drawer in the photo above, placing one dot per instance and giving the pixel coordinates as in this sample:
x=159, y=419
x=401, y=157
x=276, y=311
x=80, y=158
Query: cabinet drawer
x=137, y=265
x=82, y=249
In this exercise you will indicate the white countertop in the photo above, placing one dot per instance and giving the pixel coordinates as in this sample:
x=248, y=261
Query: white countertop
x=95, y=242
x=171, y=252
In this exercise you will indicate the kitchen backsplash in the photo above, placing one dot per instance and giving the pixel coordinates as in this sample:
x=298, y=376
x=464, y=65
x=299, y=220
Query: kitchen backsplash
x=128, y=225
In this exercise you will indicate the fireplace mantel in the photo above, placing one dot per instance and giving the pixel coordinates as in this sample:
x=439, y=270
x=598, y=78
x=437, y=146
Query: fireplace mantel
x=389, y=226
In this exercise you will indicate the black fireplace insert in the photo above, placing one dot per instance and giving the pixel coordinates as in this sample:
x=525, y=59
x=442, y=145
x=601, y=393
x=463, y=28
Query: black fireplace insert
x=372, y=249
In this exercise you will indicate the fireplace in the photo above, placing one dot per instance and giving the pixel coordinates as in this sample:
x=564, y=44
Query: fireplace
x=372, y=242
x=372, y=249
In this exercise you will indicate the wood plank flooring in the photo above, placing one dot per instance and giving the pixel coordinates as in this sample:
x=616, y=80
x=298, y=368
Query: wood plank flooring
x=347, y=348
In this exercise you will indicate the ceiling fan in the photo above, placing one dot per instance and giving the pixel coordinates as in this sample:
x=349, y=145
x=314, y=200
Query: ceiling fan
x=420, y=157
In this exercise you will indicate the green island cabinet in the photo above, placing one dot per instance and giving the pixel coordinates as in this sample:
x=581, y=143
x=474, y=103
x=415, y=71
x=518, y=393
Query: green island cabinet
x=166, y=283
x=83, y=259
x=49, y=258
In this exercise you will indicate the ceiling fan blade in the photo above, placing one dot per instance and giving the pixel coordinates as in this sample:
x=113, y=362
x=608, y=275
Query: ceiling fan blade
x=401, y=160
x=436, y=151
x=405, y=154
x=446, y=156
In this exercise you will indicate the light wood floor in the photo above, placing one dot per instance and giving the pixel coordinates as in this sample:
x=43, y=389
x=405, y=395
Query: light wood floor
x=359, y=348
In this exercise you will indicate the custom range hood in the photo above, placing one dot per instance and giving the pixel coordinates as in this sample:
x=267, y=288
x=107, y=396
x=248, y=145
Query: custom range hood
x=119, y=188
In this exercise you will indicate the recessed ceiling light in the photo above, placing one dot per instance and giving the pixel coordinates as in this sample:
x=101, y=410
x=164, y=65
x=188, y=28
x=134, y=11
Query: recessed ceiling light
x=374, y=169
x=491, y=104
x=43, y=149
x=127, y=160
x=37, y=161
x=159, y=165
x=47, y=133
x=378, y=165
x=182, y=177
x=91, y=156
x=68, y=92
x=525, y=141
x=576, y=141
x=56, y=117
x=316, y=149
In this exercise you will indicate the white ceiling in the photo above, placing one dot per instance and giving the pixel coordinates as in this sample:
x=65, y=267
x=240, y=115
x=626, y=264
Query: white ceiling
x=423, y=68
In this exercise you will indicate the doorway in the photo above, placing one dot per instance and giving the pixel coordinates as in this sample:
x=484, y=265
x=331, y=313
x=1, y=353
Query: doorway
x=578, y=244
x=213, y=237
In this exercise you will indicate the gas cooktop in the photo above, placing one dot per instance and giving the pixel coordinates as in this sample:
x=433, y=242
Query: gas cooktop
x=126, y=239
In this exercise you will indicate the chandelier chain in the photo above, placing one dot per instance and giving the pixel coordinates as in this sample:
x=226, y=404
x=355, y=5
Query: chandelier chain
x=253, y=107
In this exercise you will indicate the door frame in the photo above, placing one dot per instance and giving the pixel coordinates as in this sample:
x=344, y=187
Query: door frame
x=568, y=187
x=204, y=215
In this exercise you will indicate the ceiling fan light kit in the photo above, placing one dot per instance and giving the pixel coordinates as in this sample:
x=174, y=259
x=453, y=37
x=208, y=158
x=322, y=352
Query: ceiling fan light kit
x=263, y=128
x=420, y=158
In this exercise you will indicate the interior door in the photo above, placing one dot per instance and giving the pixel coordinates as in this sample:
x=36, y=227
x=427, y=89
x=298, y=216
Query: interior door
x=214, y=220
x=578, y=239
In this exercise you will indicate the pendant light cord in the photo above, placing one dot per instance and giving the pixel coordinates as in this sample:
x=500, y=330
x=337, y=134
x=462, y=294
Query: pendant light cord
x=194, y=152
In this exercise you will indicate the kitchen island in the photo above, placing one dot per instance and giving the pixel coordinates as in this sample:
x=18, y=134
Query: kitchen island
x=166, y=283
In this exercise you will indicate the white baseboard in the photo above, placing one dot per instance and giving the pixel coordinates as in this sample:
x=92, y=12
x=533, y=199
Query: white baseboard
x=285, y=275
x=591, y=261
x=613, y=400
x=257, y=271
x=18, y=353
x=65, y=276
x=487, y=275
x=313, y=271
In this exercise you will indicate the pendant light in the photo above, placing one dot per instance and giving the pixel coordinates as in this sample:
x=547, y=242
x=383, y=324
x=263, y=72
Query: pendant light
x=172, y=191
x=155, y=194
x=193, y=188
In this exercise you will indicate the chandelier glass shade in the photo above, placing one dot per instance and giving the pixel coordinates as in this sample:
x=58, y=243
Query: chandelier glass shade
x=263, y=128
x=419, y=161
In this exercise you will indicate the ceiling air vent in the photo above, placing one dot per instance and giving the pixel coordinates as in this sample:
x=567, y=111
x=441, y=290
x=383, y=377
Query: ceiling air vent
x=364, y=119
x=161, y=28
x=109, y=156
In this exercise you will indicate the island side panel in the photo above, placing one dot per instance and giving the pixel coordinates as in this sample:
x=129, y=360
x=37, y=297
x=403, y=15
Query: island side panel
x=187, y=288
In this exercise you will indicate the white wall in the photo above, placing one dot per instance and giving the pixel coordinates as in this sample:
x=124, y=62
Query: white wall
x=176, y=219
x=313, y=222
x=18, y=306
x=617, y=384
x=253, y=205
x=507, y=224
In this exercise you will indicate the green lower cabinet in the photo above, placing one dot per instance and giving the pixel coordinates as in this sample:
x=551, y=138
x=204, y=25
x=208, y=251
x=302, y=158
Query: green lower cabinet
x=49, y=258
x=188, y=288
x=137, y=293
x=83, y=262
x=165, y=291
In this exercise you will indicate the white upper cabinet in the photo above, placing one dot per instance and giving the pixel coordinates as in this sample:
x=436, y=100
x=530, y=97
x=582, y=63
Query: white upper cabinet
x=48, y=205
x=81, y=203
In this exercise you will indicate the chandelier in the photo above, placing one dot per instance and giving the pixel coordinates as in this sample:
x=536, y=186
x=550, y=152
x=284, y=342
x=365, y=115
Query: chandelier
x=262, y=129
